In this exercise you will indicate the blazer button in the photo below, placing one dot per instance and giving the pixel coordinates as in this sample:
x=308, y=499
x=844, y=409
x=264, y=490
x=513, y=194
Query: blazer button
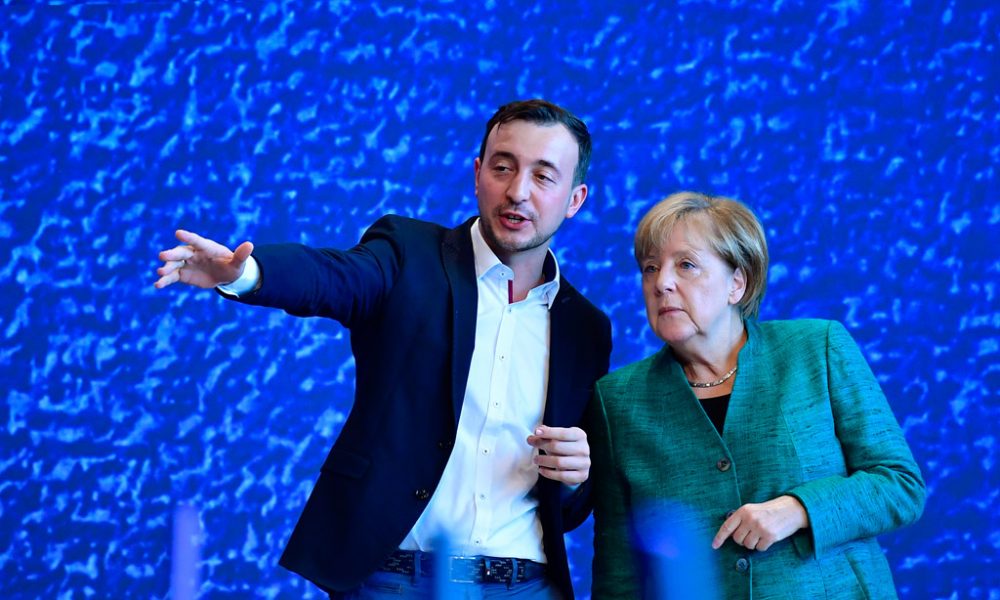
x=723, y=464
x=444, y=445
x=422, y=494
x=742, y=564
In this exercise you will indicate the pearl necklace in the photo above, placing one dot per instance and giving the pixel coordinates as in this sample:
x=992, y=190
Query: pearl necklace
x=696, y=384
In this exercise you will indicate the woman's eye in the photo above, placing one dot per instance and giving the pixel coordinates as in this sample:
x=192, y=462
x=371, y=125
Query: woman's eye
x=649, y=269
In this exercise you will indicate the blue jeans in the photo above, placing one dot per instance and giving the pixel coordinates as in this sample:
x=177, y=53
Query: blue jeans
x=385, y=586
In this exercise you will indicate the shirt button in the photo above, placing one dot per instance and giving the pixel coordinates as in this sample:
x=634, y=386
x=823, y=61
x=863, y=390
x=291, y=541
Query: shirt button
x=742, y=564
x=723, y=464
x=486, y=450
x=482, y=496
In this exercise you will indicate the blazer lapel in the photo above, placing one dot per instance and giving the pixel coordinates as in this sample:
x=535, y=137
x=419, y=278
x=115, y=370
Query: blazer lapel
x=460, y=267
x=665, y=384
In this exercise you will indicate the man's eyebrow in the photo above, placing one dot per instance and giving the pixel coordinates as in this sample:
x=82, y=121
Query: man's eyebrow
x=548, y=165
x=503, y=154
x=541, y=162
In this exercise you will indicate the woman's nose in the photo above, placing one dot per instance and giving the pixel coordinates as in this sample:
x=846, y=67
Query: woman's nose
x=664, y=281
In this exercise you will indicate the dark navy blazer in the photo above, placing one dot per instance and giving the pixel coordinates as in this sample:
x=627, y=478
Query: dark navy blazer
x=408, y=294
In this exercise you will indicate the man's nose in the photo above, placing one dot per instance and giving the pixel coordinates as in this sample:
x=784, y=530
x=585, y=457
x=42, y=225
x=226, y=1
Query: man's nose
x=519, y=189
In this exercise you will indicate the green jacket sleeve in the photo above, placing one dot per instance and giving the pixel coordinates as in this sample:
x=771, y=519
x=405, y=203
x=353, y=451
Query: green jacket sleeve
x=883, y=488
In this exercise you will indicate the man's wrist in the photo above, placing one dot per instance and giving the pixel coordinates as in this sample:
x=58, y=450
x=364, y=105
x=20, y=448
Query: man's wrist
x=249, y=281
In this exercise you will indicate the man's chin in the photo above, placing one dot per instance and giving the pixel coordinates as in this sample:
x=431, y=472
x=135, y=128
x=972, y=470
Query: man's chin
x=517, y=240
x=505, y=241
x=500, y=237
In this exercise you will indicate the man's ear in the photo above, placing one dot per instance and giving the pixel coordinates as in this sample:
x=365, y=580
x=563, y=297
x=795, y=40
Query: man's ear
x=576, y=200
x=476, y=164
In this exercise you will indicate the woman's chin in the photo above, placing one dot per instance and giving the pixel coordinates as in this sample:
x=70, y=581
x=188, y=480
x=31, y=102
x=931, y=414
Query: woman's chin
x=673, y=335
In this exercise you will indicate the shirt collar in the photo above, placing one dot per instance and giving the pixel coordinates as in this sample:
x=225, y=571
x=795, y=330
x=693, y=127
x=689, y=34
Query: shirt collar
x=487, y=261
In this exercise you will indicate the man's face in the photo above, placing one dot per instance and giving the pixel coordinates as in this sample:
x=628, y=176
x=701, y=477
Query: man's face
x=524, y=185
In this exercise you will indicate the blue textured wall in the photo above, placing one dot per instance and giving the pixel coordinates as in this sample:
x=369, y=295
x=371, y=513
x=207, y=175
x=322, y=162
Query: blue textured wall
x=864, y=134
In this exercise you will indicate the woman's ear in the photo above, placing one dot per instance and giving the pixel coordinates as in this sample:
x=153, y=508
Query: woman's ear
x=737, y=286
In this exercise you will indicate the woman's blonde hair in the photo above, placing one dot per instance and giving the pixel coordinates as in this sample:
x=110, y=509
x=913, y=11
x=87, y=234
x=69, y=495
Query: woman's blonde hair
x=731, y=229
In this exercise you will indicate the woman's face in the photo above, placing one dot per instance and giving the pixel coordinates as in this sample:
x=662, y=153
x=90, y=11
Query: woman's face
x=691, y=293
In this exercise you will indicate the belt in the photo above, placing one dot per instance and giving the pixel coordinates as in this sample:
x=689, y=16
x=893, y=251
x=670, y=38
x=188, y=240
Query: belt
x=465, y=569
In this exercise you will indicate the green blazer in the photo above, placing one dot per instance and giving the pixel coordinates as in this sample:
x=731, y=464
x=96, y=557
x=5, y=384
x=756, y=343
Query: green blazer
x=806, y=418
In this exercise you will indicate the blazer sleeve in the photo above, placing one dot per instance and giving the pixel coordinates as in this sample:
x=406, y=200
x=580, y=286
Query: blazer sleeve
x=883, y=488
x=346, y=285
x=577, y=504
x=614, y=574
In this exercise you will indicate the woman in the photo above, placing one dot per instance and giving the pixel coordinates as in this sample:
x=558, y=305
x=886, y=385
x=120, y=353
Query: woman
x=770, y=443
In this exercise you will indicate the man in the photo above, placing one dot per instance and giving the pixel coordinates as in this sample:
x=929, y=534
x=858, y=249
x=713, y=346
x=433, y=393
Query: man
x=475, y=359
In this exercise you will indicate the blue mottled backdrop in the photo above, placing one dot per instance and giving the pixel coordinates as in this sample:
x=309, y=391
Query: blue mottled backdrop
x=865, y=134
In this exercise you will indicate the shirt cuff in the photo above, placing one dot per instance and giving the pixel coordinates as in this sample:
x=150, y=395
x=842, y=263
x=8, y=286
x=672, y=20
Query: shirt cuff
x=244, y=283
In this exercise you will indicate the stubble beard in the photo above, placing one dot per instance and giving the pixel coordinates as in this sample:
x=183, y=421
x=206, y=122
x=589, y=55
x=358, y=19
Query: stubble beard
x=510, y=247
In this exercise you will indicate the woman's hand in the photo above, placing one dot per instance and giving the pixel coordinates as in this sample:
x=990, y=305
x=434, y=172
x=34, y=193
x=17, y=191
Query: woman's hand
x=758, y=526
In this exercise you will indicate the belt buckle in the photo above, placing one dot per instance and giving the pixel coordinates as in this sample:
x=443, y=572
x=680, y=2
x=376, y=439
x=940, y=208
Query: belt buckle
x=469, y=569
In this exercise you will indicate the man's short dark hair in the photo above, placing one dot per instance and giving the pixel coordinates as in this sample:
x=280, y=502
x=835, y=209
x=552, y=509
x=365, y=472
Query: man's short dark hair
x=542, y=112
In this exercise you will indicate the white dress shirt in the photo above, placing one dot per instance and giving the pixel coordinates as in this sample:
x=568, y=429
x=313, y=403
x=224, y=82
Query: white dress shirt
x=483, y=504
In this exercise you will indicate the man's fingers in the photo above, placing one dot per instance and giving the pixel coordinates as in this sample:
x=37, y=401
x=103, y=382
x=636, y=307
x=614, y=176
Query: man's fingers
x=200, y=261
x=243, y=251
x=566, y=469
x=569, y=477
x=211, y=248
x=560, y=440
x=173, y=260
x=171, y=266
x=177, y=253
x=565, y=434
x=167, y=279
x=561, y=448
x=563, y=463
x=190, y=238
